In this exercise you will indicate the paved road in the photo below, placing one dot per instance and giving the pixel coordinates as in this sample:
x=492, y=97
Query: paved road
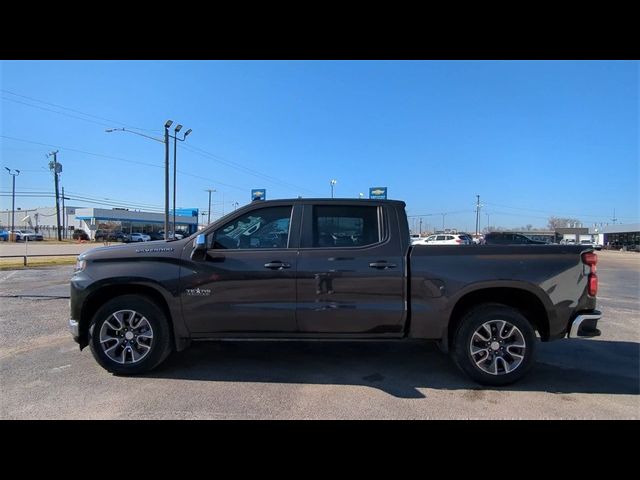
x=43, y=375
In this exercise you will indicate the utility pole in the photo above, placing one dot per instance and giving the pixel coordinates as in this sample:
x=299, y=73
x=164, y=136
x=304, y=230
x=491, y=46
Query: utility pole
x=420, y=226
x=223, y=204
x=614, y=219
x=209, y=213
x=332, y=183
x=488, y=222
x=477, y=215
x=443, y=221
x=13, y=196
x=56, y=168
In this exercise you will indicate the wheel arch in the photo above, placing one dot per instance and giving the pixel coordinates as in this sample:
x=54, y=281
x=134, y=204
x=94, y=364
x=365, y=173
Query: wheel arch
x=107, y=292
x=523, y=300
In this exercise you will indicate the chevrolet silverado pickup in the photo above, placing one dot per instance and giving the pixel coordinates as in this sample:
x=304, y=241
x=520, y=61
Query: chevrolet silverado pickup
x=331, y=269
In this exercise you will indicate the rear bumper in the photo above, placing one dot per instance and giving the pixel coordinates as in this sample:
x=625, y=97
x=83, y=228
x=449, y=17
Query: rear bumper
x=585, y=325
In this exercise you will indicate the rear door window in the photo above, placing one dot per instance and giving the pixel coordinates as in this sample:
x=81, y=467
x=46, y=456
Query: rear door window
x=345, y=226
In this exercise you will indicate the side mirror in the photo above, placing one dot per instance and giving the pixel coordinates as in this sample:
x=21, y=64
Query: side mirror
x=199, y=247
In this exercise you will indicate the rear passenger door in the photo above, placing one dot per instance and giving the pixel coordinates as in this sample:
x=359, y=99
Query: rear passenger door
x=350, y=270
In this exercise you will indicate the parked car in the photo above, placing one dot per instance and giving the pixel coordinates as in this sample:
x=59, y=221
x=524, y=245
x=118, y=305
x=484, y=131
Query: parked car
x=4, y=235
x=507, y=238
x=178, y=236
x=486, y=305
x=446, y=239
x=101, y=235
x=415, y=238
x=27, y=235
x=79, y=234
x=117, y=236
x=156, y=236
x=589, y=243
x=109, y=235
x=137, y=237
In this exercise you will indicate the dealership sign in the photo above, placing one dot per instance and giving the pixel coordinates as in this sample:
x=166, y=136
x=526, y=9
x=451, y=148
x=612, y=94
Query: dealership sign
x=378, y=193
x=258, y=194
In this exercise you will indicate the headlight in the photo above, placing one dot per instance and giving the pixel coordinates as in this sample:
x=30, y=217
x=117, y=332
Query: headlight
x=80, y=265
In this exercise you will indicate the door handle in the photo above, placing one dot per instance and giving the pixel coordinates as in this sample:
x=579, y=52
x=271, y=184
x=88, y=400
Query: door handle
x=277, y=265
x=382, y=265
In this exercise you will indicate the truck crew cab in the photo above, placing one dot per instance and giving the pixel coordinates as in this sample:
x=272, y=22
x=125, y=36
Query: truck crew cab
x=331, y=269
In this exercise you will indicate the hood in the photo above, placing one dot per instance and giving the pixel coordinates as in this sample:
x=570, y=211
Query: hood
x=127, y=250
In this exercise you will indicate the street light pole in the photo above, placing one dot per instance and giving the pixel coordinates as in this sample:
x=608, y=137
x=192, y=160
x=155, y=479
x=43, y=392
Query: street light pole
x=209, y=190
x=175, y=171
x=13, y=195
x=166, y=167
x=332, y=183
x=166, y=178
x=477, y=215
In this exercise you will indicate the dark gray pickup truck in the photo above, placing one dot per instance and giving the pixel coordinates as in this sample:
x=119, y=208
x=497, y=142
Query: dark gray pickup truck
x=331, y=269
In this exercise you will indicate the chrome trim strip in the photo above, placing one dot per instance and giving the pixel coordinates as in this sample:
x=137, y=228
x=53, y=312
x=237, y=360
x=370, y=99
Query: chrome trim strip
x=575, y=326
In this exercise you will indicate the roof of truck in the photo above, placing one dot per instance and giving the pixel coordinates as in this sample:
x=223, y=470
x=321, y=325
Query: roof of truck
x=333, y=200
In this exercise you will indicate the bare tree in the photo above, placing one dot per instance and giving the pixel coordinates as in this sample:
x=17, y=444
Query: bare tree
x=562, y=222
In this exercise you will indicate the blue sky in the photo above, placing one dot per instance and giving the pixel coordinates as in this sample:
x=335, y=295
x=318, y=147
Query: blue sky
x=533, y=138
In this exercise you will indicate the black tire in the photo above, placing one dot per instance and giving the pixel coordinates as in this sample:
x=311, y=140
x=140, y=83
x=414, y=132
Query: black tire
x=160, y=344
x=472, y=321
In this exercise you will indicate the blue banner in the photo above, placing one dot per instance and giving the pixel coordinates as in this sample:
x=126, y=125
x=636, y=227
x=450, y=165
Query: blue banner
x=258, y=194
x=378, y=193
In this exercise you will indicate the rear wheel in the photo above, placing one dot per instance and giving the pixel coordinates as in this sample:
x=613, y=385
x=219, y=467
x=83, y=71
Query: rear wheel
x=129, y=335
x=494, y=344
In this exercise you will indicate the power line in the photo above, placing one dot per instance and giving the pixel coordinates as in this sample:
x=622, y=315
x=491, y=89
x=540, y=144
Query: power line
x=54, y=111
x=123, y=160
x=70, y=109
x=84, y=198
x=83, y=151
x=550, y=212
x=250, y=171
x=191, y=148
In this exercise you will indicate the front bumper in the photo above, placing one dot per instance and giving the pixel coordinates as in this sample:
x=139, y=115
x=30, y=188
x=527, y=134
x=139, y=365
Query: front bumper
x=585, y=325
x=74, y=328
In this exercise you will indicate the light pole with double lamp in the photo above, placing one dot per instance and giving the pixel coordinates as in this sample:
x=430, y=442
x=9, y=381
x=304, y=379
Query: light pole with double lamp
x=167, y=124
x=13, y=195
x=175, y=171
x=332, y=183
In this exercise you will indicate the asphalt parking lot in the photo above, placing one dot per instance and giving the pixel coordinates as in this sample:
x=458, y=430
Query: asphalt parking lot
x=43, y=374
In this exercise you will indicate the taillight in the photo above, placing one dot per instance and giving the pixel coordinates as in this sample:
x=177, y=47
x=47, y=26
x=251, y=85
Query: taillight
x=593, y=284
x=591, y=259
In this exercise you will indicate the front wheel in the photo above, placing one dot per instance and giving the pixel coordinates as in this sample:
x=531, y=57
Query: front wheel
x=129, y=335
x=494, y=344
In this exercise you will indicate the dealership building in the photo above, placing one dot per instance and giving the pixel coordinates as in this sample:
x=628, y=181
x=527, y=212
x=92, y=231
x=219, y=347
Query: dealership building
x=130, y=221
x=43, y=220
x=619, y=236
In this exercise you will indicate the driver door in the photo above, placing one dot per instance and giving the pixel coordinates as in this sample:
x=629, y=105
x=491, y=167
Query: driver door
x=246, y=282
